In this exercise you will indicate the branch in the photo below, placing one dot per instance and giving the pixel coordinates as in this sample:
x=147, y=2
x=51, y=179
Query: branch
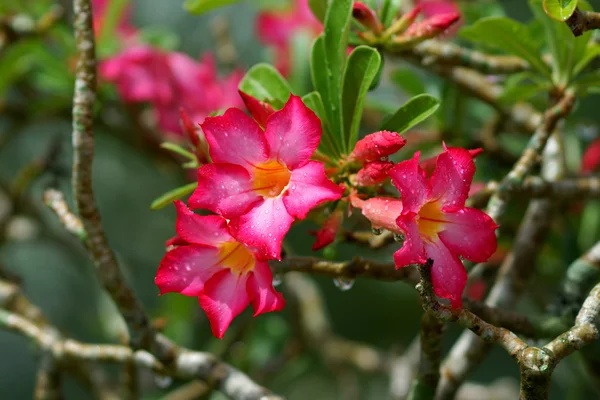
x=55, y=200
x=47, y=385
x=583, y=21
x=369, y=238
x=449, y=54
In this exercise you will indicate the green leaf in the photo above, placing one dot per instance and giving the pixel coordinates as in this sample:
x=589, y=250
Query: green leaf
x=172, y=195
x=559, y=10
x=318, y=8
x=588, y=81
x=408, y=81
x=361, y=70
x=300, y=70
x=507, y=35
x=591, y=51
x=111, y=19
x=177, y=149
x=335, y=43
x=313, y=101
x=389, y=10
x=414, y=111
x=265, y=83
x=202, y=6
x=522, y=92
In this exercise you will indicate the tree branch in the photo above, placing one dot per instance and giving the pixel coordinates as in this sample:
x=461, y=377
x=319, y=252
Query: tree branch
x=583, y=21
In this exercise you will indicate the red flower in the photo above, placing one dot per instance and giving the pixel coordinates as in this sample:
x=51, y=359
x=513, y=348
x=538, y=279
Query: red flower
x=277, y=28
x=263, y=180
x=591, y=158
x=171, y=81
x=223, y=273
x=437, y=225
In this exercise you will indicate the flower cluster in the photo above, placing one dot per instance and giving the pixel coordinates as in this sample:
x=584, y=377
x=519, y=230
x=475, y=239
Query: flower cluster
x=259, y=182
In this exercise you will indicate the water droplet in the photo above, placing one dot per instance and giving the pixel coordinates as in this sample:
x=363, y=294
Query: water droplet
x=377, y=231
x=398, y=237
x=163, y=381
x=276, y=280
x=343, y=283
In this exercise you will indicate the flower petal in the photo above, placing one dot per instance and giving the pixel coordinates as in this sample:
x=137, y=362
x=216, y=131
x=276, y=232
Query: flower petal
x=225, y=189
x=263, y=296
x=235, y=138
x=410, y=180
x=413, y=249
x=451, y=180
x=260, y=110
x=293, y=133
x=309, y=187
x=263, y=227
x=224, y=298
x=470, y=233
x=591, y=158
x=382, y=212
x=186, y=269
x=448, y=274
x=373, y=173
x=209, y=230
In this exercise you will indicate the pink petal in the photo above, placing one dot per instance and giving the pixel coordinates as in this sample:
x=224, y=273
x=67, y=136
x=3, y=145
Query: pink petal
x=591, y=158
x=224, y=298
x=470, y=233
x=263, y=227
x=413, y=249
x=263, y=296
x=224, y=189
x=209, y=230
x=326, y=235
x=410, y=180
x=309, y=187
x=293, y=133
x=274, y=29
x=382, y=212
x=448, y=274
x=452, y=177
x=259, y=110
x=235, y=138
x=186, y=269
x=373, y=173
x=376, y=145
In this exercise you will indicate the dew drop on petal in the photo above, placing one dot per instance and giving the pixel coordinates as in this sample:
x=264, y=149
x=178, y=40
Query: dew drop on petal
x=343, y=283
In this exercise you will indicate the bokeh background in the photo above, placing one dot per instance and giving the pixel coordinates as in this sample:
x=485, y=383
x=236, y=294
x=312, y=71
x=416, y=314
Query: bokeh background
x=130, y=173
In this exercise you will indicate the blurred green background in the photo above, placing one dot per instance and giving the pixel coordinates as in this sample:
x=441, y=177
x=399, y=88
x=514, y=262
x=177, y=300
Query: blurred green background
x=57, y=274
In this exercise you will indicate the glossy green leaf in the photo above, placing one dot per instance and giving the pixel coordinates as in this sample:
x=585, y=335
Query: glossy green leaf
x=313, y=101
x=588, y=82
x=559, y=10
x=202, y=6
x=361, y=70
x=509, y=36
x=389, y=10
x=319, y=73
x=177, y=149
x=414, y=111
x=335, y=43
x=300, y=69
x=265, y=83
x=318, y=8
x=408, y=81
x=173, y=195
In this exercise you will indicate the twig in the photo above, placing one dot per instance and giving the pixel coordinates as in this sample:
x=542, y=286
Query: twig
x=55, y=200
x=189, y=391
x=445, y=53
x=369, y=238
x=47, y=385
x=583, y=21
x=528, y=158
x=347, y=269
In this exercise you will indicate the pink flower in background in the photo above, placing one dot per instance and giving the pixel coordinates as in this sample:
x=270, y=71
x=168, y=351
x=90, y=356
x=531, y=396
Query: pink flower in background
x=208, y=263
x=277, y=29
x=437, y=225
x=432, y=8
x=591, y=158
x=124, y=29
x=262, y=180
x=171, y=81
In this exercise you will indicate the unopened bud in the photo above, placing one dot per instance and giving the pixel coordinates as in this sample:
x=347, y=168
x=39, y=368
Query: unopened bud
x=373, y=173
x=366, y=17
x=376, y=145
x=402, y=23
x=326, y=235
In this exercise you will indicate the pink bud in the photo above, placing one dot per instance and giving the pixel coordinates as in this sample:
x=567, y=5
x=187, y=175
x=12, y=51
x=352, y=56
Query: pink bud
x=188, y=127
x=377, y=145
x=366, y=17
x=373, y=173
x=326, y=235
x=402, y=23
x=591, y=158
x=260, y=110
x=432, y=26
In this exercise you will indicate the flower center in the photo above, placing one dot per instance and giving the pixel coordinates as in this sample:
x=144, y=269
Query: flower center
x=270, y=178
x=431, y=220
x=236, y=257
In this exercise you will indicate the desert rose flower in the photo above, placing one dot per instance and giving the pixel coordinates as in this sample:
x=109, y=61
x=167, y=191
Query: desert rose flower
x=434, y=221
x=207, y=262
x=277, y=29
x=262, y=180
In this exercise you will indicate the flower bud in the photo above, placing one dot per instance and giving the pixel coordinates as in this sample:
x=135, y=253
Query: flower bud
x=188, y=127
x=377, y=145
x=431, y=27
x=402, y=23
x=326, y=235
x=373, y=173
x=366, y=17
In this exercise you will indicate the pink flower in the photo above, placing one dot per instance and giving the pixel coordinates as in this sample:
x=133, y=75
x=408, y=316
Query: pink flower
x=124, y=29
x=437, y=225
x=591, y=158
x=277, y=28
x=326, y=235
x=262, y=180
x=223, y=273
x=434, y=220
x=171, y=81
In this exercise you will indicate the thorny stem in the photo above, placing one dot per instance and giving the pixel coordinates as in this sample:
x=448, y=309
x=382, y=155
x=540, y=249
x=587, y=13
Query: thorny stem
x=583, y=21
